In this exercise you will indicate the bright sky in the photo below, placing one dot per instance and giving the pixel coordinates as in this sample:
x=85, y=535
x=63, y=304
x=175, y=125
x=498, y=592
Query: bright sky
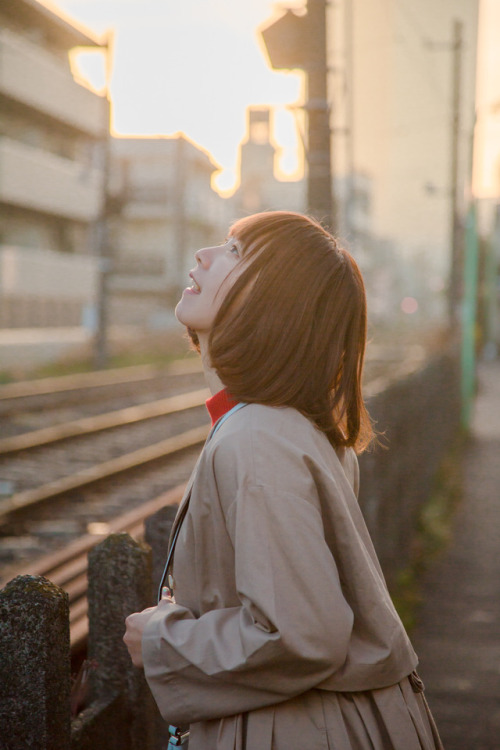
x=191, y=66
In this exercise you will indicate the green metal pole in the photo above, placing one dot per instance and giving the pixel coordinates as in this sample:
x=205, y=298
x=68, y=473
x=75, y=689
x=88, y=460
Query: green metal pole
x=490, y=302
x=469, y=304
x=492, y=287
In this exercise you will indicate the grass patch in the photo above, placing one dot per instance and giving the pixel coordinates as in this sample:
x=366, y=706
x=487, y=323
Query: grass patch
x=159, y=349
x=86, y=364
x=434, y=532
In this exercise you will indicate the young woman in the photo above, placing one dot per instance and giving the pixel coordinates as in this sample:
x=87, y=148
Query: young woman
x=279, y=632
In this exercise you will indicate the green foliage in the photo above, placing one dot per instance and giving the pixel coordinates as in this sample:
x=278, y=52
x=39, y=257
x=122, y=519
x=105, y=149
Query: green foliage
x=433, y=534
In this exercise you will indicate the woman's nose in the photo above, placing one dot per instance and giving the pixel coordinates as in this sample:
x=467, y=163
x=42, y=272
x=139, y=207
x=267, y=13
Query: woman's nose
x=205, y=255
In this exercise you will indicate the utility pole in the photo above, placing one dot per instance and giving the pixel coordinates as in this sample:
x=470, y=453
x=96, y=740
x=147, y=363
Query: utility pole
x=103, y=265
x=101, y=233
x=179, y=218
x=349, y=228
x=299, y=41
x=456, y=254
x=319, y=177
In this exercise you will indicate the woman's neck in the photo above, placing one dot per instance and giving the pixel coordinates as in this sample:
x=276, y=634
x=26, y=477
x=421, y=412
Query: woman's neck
x=214, y=383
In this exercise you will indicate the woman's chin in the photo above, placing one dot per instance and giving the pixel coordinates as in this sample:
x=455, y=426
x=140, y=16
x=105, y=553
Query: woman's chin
x=178, y=313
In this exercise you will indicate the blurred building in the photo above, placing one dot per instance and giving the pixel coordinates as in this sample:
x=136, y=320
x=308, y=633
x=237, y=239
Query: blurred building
x=487, y=141
x=393, y=114
x=168, y=210
x=260, y=189
x=52, y=131
x=487, y=173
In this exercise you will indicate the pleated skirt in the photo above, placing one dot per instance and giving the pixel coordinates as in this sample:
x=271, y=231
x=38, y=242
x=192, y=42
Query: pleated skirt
x=392, y=718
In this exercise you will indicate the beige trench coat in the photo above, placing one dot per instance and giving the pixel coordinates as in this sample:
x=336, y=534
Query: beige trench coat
x=283, y=634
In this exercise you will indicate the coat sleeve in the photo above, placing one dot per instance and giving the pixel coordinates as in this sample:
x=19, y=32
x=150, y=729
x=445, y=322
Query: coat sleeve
x=290, y=632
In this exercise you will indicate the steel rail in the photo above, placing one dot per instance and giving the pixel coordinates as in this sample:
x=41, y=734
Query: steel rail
x=95, y=379
x=101, y=422
x=21, y=501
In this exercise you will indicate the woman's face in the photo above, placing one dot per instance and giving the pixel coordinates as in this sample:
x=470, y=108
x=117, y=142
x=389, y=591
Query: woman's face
x=215, y=273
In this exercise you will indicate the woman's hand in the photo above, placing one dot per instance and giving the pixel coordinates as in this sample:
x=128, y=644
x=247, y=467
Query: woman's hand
x=135, y=625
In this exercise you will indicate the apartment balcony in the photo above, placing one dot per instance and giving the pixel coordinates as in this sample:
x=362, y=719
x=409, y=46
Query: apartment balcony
x=42, y=288
x=139, y=274
x=31, y=272
x=139, y=265
x=41, y=181
x=138, y=285
x=141, y=211
x=36, y=78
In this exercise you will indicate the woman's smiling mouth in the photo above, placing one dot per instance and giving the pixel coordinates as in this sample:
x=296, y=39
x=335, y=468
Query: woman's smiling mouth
x=195, y=287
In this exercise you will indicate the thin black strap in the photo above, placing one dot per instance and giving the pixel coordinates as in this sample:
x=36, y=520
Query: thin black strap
x=172, y=546
x=170, y=555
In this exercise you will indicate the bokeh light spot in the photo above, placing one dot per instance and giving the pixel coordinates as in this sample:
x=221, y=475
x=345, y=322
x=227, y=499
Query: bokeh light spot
x=409, y=305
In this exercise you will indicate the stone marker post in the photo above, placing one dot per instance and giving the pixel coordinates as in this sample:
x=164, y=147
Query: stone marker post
x=34, y=666
x=157, y=530
x=119, y=583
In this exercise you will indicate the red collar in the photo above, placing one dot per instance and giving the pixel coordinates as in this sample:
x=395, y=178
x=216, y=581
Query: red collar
x=219, y=404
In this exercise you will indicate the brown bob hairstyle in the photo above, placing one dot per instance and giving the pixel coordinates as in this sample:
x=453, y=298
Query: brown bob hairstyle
x=291, y=331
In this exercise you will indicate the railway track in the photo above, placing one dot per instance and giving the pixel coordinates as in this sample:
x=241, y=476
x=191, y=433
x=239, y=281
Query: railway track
x=99, y=423
x=37, y=455
x=67, y=567
x=45, y=504
x=33, y=446
x=50, y=394
x=25, y=501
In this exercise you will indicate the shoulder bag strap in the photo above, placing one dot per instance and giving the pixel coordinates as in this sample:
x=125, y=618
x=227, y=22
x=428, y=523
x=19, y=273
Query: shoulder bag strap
x=185, y=507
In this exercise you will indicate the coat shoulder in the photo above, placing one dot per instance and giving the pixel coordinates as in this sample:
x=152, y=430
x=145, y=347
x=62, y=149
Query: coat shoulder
x=258, y=429
x=281, y=440
x=276, y=422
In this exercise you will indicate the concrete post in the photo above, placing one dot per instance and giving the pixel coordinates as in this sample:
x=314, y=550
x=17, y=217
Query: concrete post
x=34, y=665
x=157, y=530
x=320, y=200
x=120, y=583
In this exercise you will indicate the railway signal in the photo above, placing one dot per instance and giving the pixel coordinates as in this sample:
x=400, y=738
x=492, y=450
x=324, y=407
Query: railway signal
x=299, y=41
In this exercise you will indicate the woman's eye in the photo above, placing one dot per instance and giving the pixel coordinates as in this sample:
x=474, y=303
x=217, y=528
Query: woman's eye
x=234, y=249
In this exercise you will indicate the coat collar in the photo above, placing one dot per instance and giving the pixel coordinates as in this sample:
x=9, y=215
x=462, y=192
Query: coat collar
x=220, y=404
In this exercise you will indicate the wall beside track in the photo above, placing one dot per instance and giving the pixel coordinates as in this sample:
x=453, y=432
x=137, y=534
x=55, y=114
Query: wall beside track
x=417, y=418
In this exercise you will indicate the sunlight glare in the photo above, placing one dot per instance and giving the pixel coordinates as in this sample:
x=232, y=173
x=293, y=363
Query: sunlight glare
x=88, y=66
x=192, y=68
